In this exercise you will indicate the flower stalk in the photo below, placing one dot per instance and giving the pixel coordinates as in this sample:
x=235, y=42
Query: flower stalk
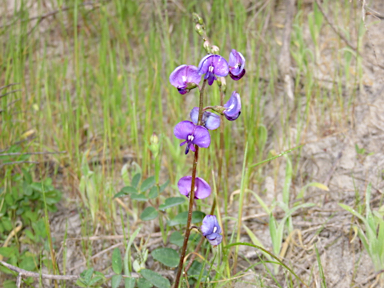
x=192, y=193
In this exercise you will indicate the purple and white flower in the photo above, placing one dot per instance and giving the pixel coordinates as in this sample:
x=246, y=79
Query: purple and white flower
x=185, y=78
x=202, y=188
x=211, y=121
x=213, y=65
x=211, y=230
x=233, y=107
x=193, y=135
x=236, y=65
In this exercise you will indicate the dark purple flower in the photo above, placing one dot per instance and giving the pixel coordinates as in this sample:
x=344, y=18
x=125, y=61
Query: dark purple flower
x=209, y=120
x=236, y=65
x=213, y=65
x=233, y=106
x=202, y=188
x=193, y=135
x=211, y=230
x=185, y=78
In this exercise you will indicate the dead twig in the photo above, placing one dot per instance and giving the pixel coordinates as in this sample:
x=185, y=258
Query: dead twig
x=31, y=153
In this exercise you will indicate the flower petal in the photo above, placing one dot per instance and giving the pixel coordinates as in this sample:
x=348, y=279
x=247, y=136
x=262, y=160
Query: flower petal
x=212, y=120
x=204, y=65
x=203, y=189
x=236, y=63
x=215, y=239
x=209, y=222
x=202, y=137
x=184, y=185
x=183, y=129
x=182, y=75
x=237, y=77
x=221, y=66
x=194, y=115
x=233, y=107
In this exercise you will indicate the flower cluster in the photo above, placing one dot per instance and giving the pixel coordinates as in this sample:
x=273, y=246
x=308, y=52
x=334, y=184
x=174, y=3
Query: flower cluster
x=196, y=132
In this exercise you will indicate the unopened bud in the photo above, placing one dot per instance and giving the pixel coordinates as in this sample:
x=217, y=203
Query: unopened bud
x=199, y=29
x=207, y=47
x=197, y=18
x=215, y=49
x=154, y=145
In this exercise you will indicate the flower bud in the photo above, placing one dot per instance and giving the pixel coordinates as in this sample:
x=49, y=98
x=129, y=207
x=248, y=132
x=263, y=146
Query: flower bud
x=215, y=49
x=199, y=29
x=154, y=144
x=207, y=47
x=222, y=83
x=197, y=18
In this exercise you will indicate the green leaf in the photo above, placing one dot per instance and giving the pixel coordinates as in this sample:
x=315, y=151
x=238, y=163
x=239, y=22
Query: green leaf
x=136, y=180
x=138, y=197
x=176, y=238
x=155, y=278
x=149, y=213
x=28, y=263
x=126, y=191
x=162, y=187
x=116, y=279
x=170, y=202
x=87, y=275
x=129, y=282
x=7, y=224
x=181, y=218
x=147, y=183
x=142, y=283
x=166, y=256
x=8, y=251
x=154, y=192
x=117, y=262
x=9, y=284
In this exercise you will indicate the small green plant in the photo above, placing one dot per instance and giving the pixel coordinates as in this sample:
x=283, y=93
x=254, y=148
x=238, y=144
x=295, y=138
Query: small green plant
x=90, y=278
x=22, y=204
x=372, y=232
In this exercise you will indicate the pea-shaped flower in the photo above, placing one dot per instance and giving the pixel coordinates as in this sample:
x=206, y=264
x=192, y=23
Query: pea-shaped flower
x=233, y=107
x=211, y=230
x=193, y=135
x=236, y=65
x=185, y=78
x=213, y=65
x=202, y=188
x=211, y=121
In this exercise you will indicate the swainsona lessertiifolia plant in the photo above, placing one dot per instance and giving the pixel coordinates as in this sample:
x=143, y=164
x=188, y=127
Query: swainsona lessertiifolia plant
x=196, y=133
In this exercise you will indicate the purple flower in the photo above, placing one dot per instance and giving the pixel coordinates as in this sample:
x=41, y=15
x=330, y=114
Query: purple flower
x=185, y=78
x=211, y=230
x=202, y=188
x=236, y=65
x=193, y=135
x=212, y=66
x=233, y=106
x=210, y=120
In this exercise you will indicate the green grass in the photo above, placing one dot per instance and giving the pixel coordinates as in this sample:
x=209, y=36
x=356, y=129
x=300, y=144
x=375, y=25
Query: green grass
x=93, y=82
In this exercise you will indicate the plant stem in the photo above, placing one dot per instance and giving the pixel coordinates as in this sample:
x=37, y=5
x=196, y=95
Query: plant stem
x=220, y=164
x=191, y=194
